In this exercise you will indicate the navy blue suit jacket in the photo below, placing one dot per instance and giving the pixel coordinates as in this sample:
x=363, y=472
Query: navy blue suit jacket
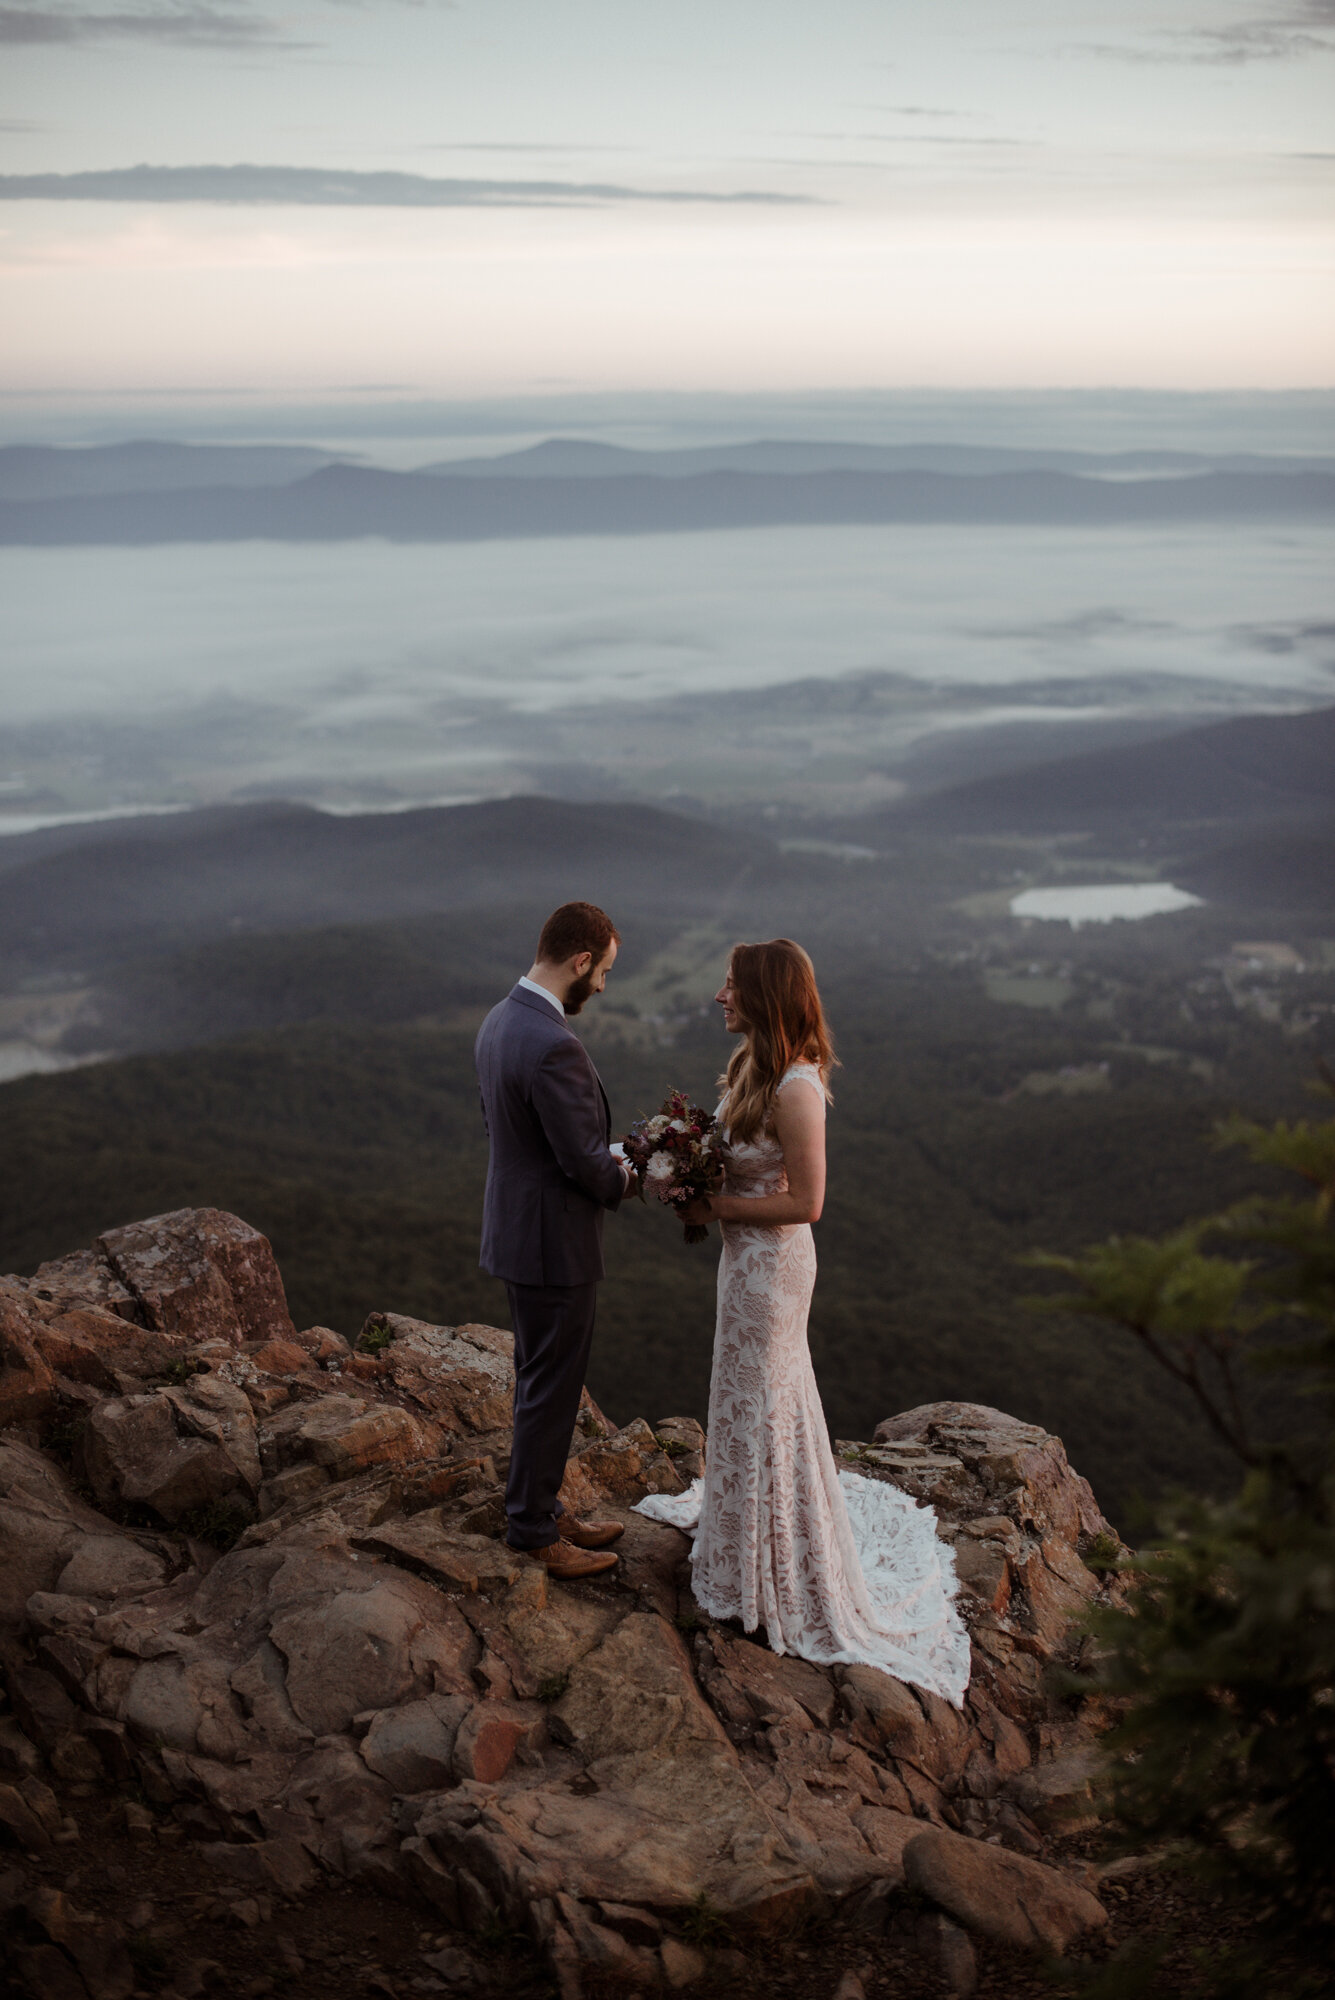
x=550, y=1175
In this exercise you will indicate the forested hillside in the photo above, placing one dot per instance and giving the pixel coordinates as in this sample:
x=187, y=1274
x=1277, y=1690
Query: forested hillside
x=359, y=1150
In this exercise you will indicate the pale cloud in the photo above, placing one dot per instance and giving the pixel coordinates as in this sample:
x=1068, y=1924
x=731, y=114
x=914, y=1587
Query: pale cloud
x=1286, y=37
x=312, y=187
x=187, y=25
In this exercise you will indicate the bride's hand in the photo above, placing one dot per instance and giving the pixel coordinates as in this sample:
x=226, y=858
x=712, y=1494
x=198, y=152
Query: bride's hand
x=701, y=1210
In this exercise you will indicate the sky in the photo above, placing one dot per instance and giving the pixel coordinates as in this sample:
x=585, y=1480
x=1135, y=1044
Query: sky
x=510, y=197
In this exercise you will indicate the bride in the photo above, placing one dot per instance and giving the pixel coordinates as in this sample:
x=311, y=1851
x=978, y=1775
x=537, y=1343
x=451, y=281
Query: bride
x=837, y=1568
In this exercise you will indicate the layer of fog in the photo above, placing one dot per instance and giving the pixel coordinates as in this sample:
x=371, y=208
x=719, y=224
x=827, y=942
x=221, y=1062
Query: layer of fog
x=368, y=673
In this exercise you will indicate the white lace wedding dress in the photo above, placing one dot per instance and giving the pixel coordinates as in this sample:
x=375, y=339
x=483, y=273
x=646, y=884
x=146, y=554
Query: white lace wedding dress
x=837, y=1568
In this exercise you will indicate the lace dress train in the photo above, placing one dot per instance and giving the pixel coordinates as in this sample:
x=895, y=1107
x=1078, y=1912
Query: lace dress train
x=837, y=1568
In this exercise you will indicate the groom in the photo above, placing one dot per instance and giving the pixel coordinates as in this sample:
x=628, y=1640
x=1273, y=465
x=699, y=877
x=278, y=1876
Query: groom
x=550, y=1176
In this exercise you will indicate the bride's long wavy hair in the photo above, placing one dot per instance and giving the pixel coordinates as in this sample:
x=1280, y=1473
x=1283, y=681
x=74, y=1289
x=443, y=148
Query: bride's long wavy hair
x=779, y=1003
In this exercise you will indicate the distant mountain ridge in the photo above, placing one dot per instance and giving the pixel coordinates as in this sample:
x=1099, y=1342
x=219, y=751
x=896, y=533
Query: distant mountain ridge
x=586, y=458
x=1242, y=812
x=150, y=465
x=106, y=897
x=1249, y=768
x=343, y=502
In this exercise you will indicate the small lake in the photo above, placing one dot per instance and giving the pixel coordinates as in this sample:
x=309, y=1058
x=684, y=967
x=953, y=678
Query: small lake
x=1103, y=902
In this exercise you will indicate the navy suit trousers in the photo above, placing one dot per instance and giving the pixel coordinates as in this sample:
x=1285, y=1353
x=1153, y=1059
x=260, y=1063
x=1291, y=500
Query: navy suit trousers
x=553, y=1333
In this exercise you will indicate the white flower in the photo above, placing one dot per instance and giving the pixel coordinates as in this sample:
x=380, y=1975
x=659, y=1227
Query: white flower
x=679, y=1125
x=657, y=1126
x=661, y=1168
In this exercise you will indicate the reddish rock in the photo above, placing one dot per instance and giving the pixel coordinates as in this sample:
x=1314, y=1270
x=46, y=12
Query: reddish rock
x=752, y=1688
x=1018, y=1464
x=83, y=1278
x=625, y=1467
x=894, y=1712
x=27, y=1387
x=1001, y=1895
x=209, y=1406
x=281, y=1357
x=489, y=1736
x=463, y=1376
x=365, y=1368
x=538, y=1631
x=652, y=1559
x=1052, y=1600
x=887, y=1834
x=105, y=1565
x=42, y=1708
x=683, y=1439
x=43, y=1524
x=167, y=1452
x=348, y=1434
x=354, y=1636
x=201, y=1274
x=322, y=1344
x=459, y=1561
x=88, y=1344
x=1058, y=1796
x=560, y=1759
x=983, y=1569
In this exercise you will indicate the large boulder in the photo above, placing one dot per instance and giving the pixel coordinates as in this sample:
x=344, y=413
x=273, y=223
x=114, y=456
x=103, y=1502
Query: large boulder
x=201, y=1274
x=1003, y=1896
x=1018, y=1518
x=1005, y=1467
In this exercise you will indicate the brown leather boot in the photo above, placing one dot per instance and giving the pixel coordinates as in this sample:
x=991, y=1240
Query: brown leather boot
x=589, y=1534
x=567, y=1563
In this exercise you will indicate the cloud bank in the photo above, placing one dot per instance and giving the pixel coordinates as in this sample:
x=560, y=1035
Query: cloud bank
x=315, y=187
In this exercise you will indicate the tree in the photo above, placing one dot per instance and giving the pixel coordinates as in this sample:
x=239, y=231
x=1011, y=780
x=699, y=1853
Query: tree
x=1223, y=1656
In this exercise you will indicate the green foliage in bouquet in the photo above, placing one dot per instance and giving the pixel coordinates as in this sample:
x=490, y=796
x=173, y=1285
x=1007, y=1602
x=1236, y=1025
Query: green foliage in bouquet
x=1224, y=1654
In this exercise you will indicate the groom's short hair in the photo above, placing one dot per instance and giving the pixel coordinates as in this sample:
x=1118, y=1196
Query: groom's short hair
x=574, y=928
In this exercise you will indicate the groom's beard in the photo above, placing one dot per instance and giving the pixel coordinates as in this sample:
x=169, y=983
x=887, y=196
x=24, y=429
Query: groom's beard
x=578, y=994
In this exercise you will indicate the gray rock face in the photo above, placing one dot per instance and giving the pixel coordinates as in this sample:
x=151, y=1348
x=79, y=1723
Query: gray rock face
x=412, y=1746
x=370, y=1682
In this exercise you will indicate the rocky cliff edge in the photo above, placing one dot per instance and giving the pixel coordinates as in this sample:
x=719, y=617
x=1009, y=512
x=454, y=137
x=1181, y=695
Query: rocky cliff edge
x=256, y=1578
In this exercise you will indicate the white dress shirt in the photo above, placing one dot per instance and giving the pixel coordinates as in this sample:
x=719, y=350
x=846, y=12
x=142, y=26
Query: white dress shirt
x=532, y=986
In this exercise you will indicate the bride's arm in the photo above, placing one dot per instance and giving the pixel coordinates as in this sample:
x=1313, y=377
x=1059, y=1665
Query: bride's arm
x=799, y=1127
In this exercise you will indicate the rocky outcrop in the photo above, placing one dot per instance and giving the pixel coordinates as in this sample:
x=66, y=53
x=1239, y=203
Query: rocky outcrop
x=259, y=1575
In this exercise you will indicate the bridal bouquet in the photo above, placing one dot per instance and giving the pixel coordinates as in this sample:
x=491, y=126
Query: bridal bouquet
x=677, y=1155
